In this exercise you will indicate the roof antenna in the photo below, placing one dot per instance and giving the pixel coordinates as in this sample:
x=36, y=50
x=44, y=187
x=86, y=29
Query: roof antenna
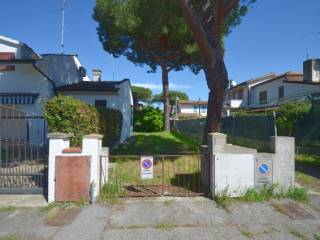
x=63, y=6
x=113, y=67
x=307, y=55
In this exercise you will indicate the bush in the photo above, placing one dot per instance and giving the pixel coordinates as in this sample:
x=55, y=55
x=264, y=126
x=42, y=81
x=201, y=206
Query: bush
x=289, y=114
x=69, y=115
x=148, y=119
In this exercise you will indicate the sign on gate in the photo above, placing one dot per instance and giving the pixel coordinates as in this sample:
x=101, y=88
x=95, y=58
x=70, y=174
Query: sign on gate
x=263, y=172
x=146, y=163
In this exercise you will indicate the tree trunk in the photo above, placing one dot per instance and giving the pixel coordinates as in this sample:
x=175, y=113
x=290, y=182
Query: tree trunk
x=214, y=67
x=166, y=102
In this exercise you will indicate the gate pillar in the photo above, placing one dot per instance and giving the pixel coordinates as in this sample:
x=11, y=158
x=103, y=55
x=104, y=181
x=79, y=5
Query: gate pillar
x=57, y=142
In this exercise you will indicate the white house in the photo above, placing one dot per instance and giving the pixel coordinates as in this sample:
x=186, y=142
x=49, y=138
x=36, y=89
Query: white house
x=28, y=80
x=192, y=107
x=273, y=90
x=111, y=94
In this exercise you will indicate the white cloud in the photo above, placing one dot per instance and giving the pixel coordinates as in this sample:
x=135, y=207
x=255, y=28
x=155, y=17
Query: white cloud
x=153, y=86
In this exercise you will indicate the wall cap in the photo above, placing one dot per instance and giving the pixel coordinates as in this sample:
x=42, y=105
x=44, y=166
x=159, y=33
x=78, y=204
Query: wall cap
x=58, y=135
x=218, y=135
x=93, y=136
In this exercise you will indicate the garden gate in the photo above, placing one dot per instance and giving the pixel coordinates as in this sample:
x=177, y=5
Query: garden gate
x=23, y=152
x=151, y=176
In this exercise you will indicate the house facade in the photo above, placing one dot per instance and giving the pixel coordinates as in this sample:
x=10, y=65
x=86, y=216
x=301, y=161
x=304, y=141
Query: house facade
x=273, y=90
x=28, y=80
x=192, y=107
x=111, y=94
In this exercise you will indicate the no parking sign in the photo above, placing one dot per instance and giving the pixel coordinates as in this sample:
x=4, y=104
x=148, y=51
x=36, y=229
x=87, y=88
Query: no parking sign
x=146, y=164
x=263, y=172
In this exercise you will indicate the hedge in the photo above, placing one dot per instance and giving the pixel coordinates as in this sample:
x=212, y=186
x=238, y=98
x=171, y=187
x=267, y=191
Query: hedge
x=68, y=115
x=148, y=119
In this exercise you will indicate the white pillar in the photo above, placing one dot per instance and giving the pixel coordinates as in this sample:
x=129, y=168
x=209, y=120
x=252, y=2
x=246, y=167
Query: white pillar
x=57, y=142
x=92, y=146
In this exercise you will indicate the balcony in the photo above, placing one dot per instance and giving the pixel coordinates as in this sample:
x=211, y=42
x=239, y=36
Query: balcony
x=232, y=103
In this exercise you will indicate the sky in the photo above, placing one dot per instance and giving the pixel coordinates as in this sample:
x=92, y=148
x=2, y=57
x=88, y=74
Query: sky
x=275, y=36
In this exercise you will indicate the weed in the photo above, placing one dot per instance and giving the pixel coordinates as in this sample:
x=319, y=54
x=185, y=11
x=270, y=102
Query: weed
x=297, y=234
x=11, y=237
x=259, y=194
x=49, y=207
x=298, y=194
x=7, y=209
x=223, y=198
x=110, y=193
x=247, y=233
x=165, y=226
x=168, y=202
x=316, y=236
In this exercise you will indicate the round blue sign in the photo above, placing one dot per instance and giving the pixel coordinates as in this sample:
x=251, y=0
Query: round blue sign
x=146, y=163
x=264, y=168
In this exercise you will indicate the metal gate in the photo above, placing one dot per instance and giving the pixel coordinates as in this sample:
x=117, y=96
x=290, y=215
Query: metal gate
x=23, y=152
x=173, y=175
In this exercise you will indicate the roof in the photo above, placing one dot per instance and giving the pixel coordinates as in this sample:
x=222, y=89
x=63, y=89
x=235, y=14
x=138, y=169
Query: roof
x=19, y=43
x=90, y=86
x=256, y=80
x=289, y=77
x=193, y=102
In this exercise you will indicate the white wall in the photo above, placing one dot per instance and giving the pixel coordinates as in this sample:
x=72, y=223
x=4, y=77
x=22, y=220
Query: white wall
x=121, y=101
x=189, y=109
x=26, y=79
x=289, y=90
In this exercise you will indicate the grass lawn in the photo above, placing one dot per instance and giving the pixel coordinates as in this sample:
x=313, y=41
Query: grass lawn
x=156, y=143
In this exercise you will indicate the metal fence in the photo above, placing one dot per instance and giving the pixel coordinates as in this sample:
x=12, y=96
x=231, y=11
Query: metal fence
x=23, y=152
x=173, y=175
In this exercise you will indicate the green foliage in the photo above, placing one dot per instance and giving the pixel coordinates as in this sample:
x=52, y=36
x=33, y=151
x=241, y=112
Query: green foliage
x=141, y=93
x=110, y=193
x=298, y=194
x=172, y=97
x=289, y=114
x=69, y=115
x=223, y=198
x=110, y=125
x=148, y=119
x=149, y=32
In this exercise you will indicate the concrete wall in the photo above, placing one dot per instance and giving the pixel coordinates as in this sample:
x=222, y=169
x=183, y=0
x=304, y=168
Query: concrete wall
x=234, y=169
x=121, y=101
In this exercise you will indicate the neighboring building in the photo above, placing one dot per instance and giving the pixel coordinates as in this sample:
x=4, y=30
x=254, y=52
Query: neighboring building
x=273, y=90
x=192, y=107
x=22, y=83
x=28, y=80
x=111, y=94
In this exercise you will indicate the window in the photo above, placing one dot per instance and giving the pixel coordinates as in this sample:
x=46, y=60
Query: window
x=233, y=95
x=263, y=97
x=18, y=98
x=281, y=91
x=240, y=94
x=100, y=103
x=203, y=109
x=7, y=56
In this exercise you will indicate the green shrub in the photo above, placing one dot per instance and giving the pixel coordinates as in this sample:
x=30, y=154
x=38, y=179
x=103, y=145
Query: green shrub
x=69, y=115
x=148, y=119
x=289, y=114
x=110, y=125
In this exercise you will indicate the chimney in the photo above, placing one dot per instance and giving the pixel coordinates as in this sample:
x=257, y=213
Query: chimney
x=311, y=70
x=96, y=74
